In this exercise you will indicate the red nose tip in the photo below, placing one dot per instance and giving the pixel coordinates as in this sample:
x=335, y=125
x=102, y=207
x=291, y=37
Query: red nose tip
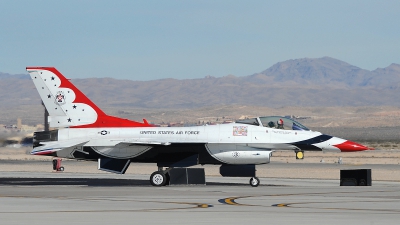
x=349, y=146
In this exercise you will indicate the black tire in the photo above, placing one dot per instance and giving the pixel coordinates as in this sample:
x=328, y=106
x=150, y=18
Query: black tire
x=254, y=181
x=158, y=179
x=61, y=169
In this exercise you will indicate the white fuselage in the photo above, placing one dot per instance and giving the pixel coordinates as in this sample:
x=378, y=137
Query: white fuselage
x=228, y=143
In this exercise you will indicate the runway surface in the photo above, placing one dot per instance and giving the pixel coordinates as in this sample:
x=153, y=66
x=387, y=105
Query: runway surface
x=83, y=198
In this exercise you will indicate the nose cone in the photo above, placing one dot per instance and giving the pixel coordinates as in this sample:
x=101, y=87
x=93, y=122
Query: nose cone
x=349, y=146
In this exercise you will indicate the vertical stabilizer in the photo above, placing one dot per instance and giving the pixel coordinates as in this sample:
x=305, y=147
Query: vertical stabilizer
x=68, y=106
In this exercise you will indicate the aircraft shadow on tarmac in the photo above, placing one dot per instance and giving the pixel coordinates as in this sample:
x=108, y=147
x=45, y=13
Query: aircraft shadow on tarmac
x=93, y=182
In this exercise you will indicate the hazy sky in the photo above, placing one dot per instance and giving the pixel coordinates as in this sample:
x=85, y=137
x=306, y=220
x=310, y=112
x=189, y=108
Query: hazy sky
x=145, y=40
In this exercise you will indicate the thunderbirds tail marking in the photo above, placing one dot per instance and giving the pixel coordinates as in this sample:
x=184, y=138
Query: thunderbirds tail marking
x=68, y=106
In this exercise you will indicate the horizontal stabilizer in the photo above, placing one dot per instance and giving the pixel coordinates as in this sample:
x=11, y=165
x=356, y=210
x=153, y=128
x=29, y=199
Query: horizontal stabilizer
x=46, y=148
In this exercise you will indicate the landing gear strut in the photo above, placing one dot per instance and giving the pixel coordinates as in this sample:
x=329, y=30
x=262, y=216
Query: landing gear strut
x=160, y=177
x=254, y=181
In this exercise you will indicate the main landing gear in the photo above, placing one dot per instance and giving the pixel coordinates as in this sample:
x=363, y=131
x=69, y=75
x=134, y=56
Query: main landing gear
x=160, y=177
x=254, y=181
x=177, y=176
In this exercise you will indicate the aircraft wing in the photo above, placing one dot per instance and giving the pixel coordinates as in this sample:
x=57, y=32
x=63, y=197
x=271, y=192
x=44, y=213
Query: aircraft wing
x=115, y=142
x=145, y=143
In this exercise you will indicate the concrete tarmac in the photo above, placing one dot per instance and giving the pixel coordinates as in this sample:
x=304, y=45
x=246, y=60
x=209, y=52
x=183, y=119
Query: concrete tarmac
x=85, y=198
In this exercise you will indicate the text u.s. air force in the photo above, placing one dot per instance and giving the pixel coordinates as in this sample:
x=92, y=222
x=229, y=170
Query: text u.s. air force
x=170, y=132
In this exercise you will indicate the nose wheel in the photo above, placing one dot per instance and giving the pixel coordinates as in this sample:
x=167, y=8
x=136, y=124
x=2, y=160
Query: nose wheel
x=254, y=181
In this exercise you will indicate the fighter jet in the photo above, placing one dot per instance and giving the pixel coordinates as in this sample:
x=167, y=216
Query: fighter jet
x=81, y=130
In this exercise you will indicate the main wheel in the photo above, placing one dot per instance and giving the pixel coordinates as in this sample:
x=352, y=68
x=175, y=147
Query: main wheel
x=158, y=179
x=254, y=181
x=61, y=169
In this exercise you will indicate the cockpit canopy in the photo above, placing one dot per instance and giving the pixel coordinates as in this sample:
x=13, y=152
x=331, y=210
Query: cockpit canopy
x=278, y=122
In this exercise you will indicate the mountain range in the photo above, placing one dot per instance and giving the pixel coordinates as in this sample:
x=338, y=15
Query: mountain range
x=306, y=82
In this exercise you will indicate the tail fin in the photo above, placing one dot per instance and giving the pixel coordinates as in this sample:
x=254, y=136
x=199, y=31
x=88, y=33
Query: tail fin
x=68, y=106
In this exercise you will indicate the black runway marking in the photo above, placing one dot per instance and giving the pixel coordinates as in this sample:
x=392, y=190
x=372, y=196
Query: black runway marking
x=190, y=205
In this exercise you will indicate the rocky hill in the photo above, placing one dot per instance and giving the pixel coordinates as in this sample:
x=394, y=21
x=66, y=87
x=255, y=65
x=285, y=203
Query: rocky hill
x=329, y=72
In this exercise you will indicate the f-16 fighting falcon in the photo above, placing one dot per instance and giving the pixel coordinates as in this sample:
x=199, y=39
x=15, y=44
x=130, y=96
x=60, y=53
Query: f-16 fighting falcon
x=81, y=130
